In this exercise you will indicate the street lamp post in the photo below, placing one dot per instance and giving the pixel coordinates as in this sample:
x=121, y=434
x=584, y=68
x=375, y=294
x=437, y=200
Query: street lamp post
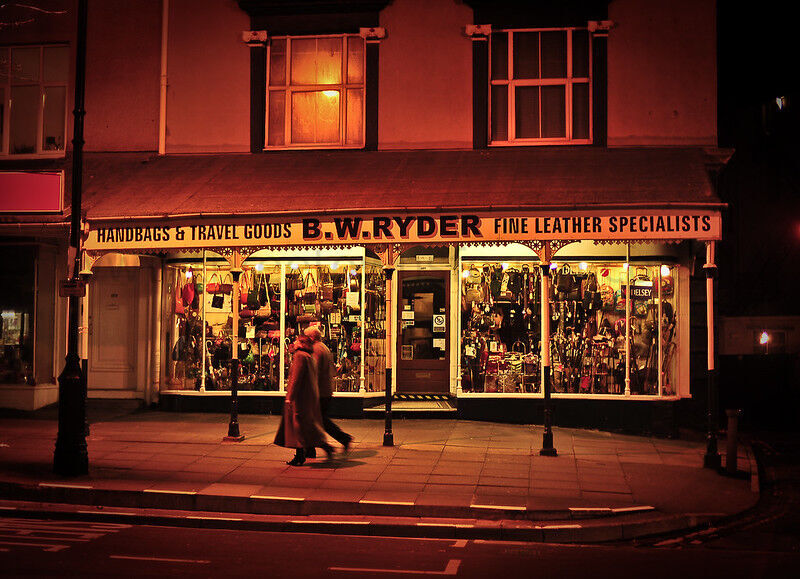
x=547, y=437
x=233, y=425
x=388, y=435
x=71, y=457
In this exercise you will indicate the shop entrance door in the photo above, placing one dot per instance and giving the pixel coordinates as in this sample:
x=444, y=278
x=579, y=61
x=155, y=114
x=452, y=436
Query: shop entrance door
x=112, y=329
x=423, y=329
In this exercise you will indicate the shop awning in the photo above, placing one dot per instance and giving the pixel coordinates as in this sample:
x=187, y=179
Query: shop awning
x=125, y=185
x=132, y=200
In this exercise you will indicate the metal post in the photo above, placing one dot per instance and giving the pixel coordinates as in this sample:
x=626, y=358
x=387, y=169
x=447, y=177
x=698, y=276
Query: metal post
x=71, y=457
x=388, y=270
x=547, y=437
x=711, y=458
x=233, y=426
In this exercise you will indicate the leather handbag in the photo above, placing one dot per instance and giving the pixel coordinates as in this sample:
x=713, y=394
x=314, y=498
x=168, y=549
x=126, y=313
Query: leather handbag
x=179, y=311
x=212, y=286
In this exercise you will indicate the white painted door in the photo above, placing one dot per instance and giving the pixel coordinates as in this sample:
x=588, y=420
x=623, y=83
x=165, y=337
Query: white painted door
x=112, y=329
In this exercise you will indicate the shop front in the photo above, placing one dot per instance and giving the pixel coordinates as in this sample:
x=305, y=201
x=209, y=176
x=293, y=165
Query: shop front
x=483, y=308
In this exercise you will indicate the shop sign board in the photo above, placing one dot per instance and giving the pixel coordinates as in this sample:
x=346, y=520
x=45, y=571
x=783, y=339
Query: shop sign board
x=72, y=288
x=504, y=227
x=31, y=192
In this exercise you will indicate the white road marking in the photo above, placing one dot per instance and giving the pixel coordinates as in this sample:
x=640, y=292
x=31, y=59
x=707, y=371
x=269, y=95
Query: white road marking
x=557, y=527
x=500, y=507
x=332, y=522
x=106, y=513
x=8, y=508
x=448, y=525
x=159, y=559
x=63, y=486
x=450, y=569
x=368, y=502
x=638, y=509
x=461, y=543
x=47, y=546
x=26, y=534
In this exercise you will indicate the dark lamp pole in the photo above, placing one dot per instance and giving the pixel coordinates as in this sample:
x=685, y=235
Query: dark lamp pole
x=233, y=426
x=547, y=436
x=388, y=435
x=71, y=457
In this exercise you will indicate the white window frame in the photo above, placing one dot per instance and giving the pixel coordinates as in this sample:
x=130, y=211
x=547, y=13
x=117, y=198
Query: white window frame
x=289, y=89
x=513, y=83
x=6, y=105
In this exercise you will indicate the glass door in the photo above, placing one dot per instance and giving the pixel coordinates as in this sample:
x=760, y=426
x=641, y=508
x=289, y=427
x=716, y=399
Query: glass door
x=423, y=357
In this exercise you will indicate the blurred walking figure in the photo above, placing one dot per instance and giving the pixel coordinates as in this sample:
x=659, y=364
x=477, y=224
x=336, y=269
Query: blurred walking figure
x=324, y=360
x=301, y=426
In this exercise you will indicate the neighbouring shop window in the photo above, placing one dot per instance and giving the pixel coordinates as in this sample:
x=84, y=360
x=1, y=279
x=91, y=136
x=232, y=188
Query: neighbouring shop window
x=315, y=91
x=328, y=295
x=540, y=86
x=501, y=328
x=17, y=295
x=33, y=96
x=375, y=330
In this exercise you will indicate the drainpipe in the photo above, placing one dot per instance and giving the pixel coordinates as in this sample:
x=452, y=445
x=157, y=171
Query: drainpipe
x=151, y=394
x=162, y=100
x=712, y=457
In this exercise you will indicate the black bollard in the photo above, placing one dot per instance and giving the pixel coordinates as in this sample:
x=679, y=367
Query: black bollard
x=233, y=425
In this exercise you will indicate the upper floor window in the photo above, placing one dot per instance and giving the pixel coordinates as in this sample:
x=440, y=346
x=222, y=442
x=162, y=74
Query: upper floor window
x=540, y=87
x=33, y=99
x=315, y=92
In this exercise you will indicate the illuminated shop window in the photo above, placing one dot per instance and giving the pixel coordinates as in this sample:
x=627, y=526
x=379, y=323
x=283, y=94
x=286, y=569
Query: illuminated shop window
x=33, y=99
x=540, y=86
x=315, y=94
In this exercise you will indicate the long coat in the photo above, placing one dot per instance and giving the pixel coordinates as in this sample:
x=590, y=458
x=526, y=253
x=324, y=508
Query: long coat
x=301, y=426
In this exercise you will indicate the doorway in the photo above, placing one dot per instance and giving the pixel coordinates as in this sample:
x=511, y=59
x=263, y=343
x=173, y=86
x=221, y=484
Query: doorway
x=423, y=332
x=112, y=329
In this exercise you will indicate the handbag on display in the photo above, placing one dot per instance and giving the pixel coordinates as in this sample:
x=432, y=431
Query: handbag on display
x=325, y=285
x=244, y=287
x=179, y=311
x=592, y=299
x=188, y=293
x=213, y=287
x=310, y=289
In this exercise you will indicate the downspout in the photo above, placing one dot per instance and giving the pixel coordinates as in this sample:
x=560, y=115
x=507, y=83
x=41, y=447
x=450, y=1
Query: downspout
x=162, y=100
x=152, y=393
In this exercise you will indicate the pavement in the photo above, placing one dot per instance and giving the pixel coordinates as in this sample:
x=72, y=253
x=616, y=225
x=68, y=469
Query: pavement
x=442, y=478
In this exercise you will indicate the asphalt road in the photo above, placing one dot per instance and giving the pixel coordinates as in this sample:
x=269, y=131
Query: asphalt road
x=37, y=547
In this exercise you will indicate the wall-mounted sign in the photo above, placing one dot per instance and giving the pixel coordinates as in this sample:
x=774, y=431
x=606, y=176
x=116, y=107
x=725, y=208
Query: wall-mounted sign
x=31, y=192
x=603, y=225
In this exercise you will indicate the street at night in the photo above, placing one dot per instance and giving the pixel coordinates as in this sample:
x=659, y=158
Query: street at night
x=379, y=288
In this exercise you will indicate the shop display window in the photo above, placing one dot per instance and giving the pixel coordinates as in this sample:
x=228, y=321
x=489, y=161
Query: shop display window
x=375, y=329
x=17, y=315
x=500, y=329
x=328, y=295
x=589, y=336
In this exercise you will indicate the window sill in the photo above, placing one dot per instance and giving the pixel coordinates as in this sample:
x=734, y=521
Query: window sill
x=313, y=148
x=27, y=157
x=540, y=143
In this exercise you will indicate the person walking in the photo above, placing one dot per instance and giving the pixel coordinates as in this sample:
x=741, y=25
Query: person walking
x=301, y=425
x=324, y=360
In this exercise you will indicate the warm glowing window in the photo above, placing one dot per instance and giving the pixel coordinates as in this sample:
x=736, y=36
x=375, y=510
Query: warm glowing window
x=33, y=99
x=540, y=86
x=315, y=92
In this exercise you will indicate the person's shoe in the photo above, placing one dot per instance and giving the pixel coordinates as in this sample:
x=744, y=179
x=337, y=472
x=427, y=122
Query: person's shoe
x=328, y=451
x=311, y=453
x=298, y=460
x=346, y=444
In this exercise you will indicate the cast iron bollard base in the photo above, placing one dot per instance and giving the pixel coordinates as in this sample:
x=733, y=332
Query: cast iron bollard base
x=71, y=457
x=233, y=425
x=547, y=437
